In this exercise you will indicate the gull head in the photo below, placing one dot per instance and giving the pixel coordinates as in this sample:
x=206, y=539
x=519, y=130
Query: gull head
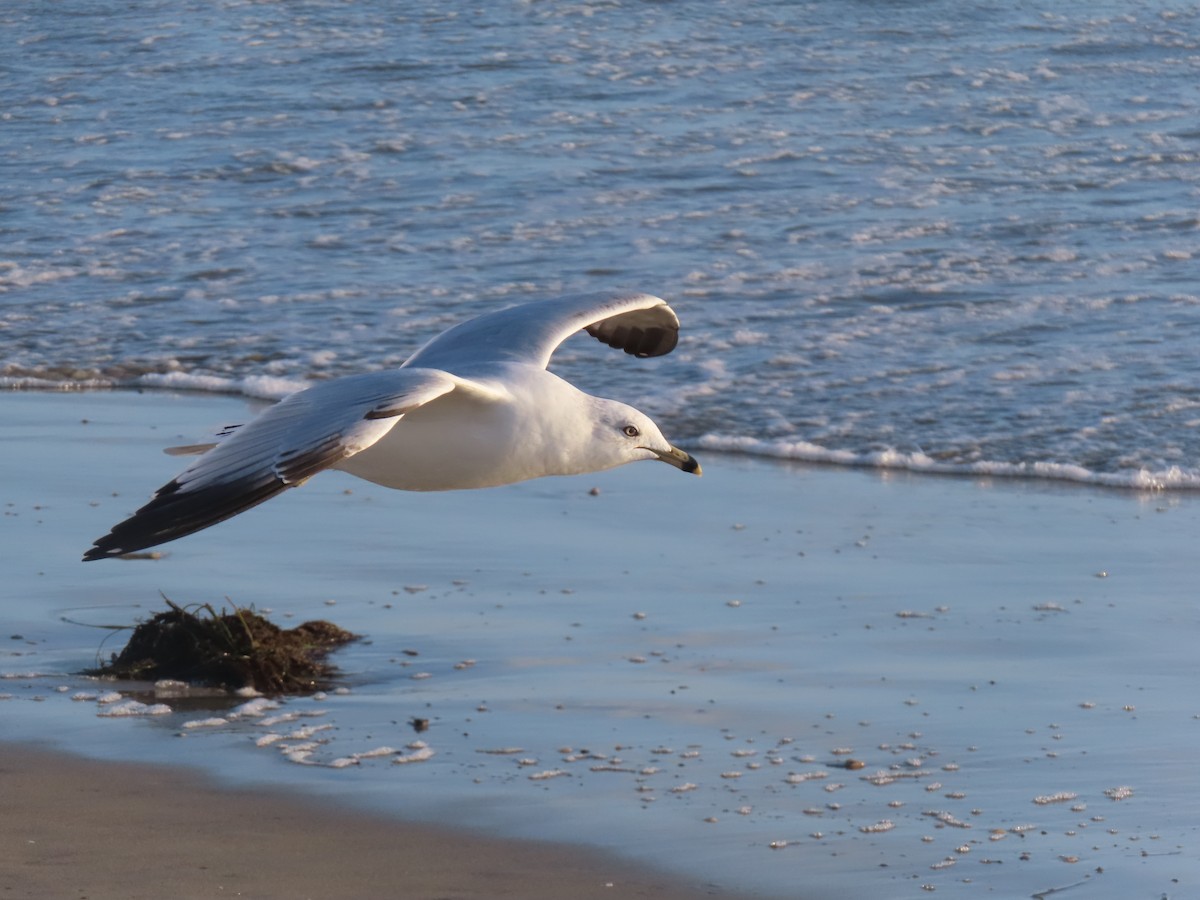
x=622, y=434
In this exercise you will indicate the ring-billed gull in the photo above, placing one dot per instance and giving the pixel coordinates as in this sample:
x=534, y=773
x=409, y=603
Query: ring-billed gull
x=475, y=407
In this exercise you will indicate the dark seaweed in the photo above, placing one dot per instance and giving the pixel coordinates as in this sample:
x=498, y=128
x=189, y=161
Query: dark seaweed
x=232, y=650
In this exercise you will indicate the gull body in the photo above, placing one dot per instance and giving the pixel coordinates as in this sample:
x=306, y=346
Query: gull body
x=468, y=439
x=473, y=408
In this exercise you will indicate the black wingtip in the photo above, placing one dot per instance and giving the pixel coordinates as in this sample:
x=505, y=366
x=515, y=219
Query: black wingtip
x=650, y=328
x=175, y=513
x=639, y=342
x=105, y=548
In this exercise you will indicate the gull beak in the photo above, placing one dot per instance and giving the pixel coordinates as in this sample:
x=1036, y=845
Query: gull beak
x=677, y=458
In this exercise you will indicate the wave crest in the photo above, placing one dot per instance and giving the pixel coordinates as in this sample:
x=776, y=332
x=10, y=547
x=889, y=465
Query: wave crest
x=1173, y=478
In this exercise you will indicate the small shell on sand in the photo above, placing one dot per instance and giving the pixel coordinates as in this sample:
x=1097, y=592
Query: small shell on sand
x=548, y=774
x=878, y=827
x=801, y=777
x=947, y=818
x=1060, y=797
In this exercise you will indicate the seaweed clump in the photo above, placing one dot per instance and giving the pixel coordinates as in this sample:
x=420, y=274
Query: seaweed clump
x=229, y=649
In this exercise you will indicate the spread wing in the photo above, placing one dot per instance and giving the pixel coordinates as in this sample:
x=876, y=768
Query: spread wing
x=288, y=443
x=639, y=324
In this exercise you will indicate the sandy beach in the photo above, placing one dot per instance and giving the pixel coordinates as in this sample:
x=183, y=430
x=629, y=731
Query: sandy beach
x=73, y=827
x=775, y=681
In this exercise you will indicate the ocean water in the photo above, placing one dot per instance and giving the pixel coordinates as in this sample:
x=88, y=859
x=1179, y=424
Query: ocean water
x=936, y=235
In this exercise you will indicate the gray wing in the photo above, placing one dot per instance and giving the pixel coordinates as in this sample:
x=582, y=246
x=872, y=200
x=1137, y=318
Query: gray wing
x=639, y=324
x=291, y=441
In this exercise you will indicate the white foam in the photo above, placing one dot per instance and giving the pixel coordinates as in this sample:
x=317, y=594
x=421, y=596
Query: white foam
x=272, y=721
x=255, y=707
x=214, y=722
x=34, y=383
x=16, y=276
x=134, y=708
x=1172, y=478
x=420, y=753
x=306, y=732
x=265, y=387
x=378, y=751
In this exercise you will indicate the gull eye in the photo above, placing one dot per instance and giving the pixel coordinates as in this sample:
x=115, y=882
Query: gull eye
x=631, y=431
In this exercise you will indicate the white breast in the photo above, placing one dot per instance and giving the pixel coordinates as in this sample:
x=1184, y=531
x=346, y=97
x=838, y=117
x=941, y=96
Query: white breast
x=464, y=441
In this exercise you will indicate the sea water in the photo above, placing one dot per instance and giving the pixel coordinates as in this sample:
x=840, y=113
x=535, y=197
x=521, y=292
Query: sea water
x=941, y=235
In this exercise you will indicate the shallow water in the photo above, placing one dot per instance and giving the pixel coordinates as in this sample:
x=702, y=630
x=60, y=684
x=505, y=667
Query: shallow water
x=681, y=650
x=937, y=235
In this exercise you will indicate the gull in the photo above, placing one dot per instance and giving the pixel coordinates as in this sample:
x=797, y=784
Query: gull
x=473, y=408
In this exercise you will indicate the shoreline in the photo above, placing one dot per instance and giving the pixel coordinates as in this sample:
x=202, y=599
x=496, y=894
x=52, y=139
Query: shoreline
x=75, y=826
x=1139, y=482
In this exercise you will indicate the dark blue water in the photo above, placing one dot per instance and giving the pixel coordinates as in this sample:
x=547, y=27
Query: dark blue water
x=955, y=236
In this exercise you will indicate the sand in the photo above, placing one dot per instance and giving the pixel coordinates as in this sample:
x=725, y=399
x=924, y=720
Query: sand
x=672, y=672
x=71, y=827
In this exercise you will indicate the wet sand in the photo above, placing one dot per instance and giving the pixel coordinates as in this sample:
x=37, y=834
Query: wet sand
x=670, y=671
x=71, y=827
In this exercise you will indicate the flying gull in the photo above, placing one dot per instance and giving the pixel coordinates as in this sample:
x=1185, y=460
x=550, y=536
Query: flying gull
x=475, y=407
